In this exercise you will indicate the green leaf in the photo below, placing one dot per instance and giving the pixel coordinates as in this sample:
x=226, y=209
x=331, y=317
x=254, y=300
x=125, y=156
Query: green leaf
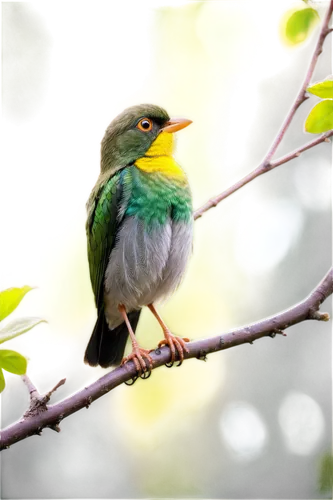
x=2, y=381
x=300, y=24
x=322, y=89
x=17, y=327
x=19, y=346
x=10, y=299
x=326, y=473
x=13, y=362
x=320, y=118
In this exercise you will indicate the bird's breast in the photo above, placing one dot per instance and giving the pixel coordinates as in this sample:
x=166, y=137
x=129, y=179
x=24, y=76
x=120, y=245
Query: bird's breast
x=153, y=242
x=154, y=197
x=145, y=266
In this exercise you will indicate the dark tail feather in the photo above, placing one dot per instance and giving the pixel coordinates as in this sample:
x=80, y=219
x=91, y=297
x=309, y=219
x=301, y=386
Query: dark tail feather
x=106, y=347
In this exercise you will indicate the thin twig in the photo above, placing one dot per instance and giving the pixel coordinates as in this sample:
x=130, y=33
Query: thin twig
x=261, y=169
x=270, y=327
x=266, y=165
x=301, y=96
x=30, y=386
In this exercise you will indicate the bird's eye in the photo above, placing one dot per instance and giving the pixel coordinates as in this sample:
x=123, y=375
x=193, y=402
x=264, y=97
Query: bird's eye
x=145, y=124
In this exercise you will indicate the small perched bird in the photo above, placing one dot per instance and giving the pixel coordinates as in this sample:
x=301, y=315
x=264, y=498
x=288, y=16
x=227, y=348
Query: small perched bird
x=139, y=232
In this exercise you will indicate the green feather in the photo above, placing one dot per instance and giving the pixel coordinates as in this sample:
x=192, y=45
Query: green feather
x=130, y=192
x=101, y=230
x=155, y=197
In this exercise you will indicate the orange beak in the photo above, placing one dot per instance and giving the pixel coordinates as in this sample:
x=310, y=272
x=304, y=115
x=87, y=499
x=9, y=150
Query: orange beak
x=175, y=125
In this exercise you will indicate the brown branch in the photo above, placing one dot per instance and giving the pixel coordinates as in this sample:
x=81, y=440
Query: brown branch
x=38, y=402
x=261, y=169
x=266, y=165
x=301, y=96
x=52, y=415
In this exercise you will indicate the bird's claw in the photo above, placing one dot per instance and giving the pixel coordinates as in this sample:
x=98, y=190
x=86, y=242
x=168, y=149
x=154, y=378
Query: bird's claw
x=132, y=380
x=145, y=374
x=142, y=361
x=175, y=344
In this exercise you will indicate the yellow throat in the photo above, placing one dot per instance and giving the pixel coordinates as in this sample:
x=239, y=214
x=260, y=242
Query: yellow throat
x=159, y=158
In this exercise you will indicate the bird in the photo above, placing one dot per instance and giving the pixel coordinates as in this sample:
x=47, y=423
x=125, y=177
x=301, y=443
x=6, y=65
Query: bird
x=139, y=234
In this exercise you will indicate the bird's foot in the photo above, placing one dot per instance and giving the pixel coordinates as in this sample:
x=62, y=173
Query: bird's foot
x=177, y=347
x=142, y=360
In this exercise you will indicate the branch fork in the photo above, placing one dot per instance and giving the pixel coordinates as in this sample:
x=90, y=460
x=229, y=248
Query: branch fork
x=37, y=401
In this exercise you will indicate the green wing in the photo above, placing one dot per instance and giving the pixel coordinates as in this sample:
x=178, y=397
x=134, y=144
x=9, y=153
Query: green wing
x=103, y=220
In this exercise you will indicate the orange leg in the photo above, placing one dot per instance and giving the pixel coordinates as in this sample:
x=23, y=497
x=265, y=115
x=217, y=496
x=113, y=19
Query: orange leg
x=175, y=343
x=141, y=358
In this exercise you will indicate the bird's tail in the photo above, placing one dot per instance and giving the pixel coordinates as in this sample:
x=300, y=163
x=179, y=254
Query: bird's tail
x=106, y=347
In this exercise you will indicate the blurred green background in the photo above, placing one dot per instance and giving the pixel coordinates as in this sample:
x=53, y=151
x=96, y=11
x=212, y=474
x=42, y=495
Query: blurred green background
x=251, y=422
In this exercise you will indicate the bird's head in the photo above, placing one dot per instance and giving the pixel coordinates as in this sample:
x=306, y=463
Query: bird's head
x=141, y=130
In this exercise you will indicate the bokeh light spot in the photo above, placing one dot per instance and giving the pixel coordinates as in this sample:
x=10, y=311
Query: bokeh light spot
x=300, y=419
x=244, y=431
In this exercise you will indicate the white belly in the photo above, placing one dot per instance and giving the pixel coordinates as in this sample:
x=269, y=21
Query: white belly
x=145, y=267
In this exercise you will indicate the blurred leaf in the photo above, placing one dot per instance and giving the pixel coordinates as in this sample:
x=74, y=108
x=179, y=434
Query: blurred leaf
x=320, y=118
x=10, y=299
x=322, y=89
x=25, y=61
x=323, y=473
x=13, y=362
x=19, y=346
x=2, y=381
x=300, y=24
x=17, y=327
x=296, y=25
